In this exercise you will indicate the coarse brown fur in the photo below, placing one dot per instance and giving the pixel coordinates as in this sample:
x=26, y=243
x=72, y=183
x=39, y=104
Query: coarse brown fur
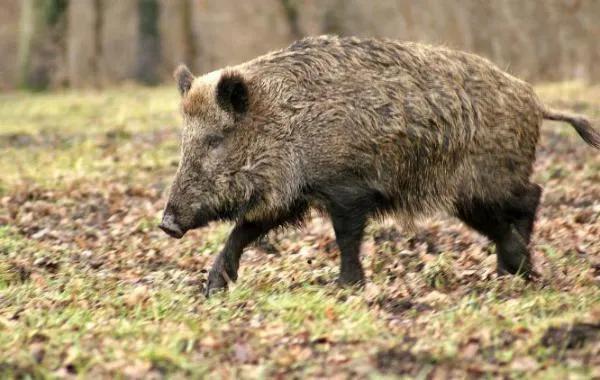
x=359, y=128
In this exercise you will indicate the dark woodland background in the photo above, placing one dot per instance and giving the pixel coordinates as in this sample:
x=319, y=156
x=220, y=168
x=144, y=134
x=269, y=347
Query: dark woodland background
x=94, y=43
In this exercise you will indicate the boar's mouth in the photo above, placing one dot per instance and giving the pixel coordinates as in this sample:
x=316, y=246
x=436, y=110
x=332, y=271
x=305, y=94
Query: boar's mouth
x=172, y=231
x=170, y=226
x=175, y=229
x=201, y=218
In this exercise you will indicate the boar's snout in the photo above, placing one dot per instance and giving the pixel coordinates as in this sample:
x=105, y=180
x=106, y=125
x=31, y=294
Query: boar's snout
x=170, y=226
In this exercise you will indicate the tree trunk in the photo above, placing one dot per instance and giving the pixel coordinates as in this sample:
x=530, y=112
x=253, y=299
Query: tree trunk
x=83, y=42
x=176, y=35
x=148, y=57
x=9, y=37
x=119, y=41
x=41, y=45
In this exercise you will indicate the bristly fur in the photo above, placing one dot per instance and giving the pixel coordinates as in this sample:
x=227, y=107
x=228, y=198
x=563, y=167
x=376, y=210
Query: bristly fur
x=361, y=128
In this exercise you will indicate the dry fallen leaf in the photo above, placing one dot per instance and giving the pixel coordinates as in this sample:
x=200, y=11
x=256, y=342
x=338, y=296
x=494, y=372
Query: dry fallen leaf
x=209, y=341
x=330, y=313
x=138, y=370
x=524, y=364
x=243, y=353
x=137, y=296
x=433, y=297
x=470, y=350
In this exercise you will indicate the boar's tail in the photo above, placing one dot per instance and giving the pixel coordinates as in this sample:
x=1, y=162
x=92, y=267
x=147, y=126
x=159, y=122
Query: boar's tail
x=581, y=124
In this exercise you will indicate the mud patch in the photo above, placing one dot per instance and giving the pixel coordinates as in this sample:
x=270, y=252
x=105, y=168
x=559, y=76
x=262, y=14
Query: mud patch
x=401, y=361
x=401, y=306
x=571, y=336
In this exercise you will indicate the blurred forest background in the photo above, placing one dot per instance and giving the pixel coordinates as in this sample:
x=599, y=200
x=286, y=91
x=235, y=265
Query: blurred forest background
x=94, y=43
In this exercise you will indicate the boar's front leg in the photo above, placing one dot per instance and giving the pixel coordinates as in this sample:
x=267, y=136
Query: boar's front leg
x=243, y=234
x=228, y=261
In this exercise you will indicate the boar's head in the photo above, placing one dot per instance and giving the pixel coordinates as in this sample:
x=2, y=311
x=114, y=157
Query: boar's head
x=235, y=159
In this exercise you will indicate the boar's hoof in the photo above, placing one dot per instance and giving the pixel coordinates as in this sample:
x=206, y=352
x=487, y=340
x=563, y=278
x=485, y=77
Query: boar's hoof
x=526, y=273
x=216, y=283
x=514, y=263
x=351, y=280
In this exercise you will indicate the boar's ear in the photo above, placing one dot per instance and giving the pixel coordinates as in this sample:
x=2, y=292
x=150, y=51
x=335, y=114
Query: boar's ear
x=184, y=78
x=232, y=93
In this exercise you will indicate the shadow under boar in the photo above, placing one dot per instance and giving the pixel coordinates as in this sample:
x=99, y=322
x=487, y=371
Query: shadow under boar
x=359, y=128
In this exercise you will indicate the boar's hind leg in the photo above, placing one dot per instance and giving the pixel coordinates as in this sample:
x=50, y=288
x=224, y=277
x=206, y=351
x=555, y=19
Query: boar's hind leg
x=349, y=230
x=508, y=224
x=349, y=210
x=513, y=252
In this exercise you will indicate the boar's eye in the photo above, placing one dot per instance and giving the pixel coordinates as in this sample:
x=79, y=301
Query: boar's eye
x=213, y=141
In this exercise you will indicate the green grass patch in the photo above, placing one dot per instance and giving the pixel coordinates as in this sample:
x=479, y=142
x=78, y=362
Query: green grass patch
x=90, y=288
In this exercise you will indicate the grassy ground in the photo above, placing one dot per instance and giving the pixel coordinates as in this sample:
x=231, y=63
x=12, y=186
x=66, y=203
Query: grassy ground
x=90, y=287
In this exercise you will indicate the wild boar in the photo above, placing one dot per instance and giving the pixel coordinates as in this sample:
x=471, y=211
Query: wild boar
x=359, y=128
